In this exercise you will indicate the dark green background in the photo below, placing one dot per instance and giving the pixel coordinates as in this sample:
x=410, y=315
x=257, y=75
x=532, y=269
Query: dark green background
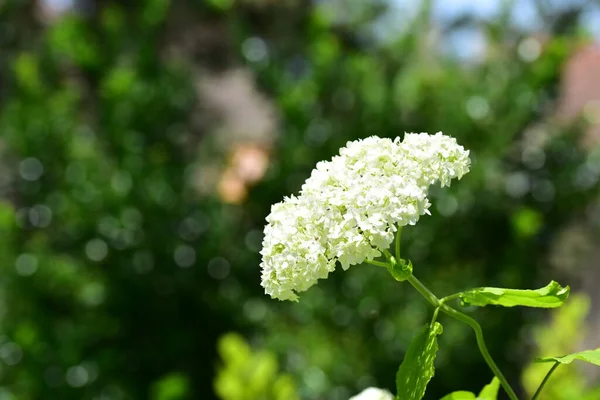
x=104, y=99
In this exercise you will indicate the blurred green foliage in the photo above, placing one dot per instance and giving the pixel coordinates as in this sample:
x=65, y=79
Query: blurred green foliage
x=564, y=334
x=171, y=387
x=248, y=375
x=119, y=275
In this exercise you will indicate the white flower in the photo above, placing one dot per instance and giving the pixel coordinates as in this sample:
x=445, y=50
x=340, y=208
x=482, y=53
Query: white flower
x=439, y=157
x=373, y=394
x=350, y=207
x=295, y=248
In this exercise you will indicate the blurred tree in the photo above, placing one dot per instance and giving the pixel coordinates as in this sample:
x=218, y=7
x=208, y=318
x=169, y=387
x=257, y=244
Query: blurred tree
x=248, y=375
x=132, y=226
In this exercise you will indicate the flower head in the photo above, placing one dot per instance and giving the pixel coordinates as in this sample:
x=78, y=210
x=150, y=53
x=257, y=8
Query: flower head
x=373, y=394
x=350, y=207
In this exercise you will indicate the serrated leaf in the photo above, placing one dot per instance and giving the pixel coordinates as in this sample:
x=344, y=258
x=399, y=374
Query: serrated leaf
x=551, y=296
x=591, y=356
x=490, y=391
x=417, y=369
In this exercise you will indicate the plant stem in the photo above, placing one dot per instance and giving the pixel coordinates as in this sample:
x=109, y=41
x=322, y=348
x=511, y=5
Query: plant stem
x=482, y=347
x=539, y=390
x=398, y=240
x=435, y=315
x=430, y=297
x=437, y=303
x=376, y=263
x=387, y=255
x=451, y=297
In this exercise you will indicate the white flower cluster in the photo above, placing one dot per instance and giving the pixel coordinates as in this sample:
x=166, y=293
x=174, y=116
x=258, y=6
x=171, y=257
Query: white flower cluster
x=351, y=206
x=373, y=394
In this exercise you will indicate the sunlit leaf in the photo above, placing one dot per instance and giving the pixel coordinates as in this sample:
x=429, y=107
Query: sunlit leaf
x=417, y=369
x=551, y=296
x=461, y=395
x=490, y=391
x=591, y=356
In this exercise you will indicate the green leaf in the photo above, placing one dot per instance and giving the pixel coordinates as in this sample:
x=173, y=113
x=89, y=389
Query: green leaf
x=417, y=369
x=591, y=356
x=490, y=391
x=551, y=296
x=461, y=395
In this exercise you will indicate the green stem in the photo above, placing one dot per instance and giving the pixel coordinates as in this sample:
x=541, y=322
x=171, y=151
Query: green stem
x=482, y=348
x=376, y=263
x=451, y=297
x=398, y=239
x=387, y=255
x=539, y=390
x=431, y=298
x=435, y=315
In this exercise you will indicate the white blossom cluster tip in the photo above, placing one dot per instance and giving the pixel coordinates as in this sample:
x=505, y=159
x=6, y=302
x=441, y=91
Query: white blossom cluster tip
x=350, y=207
x=373, y=394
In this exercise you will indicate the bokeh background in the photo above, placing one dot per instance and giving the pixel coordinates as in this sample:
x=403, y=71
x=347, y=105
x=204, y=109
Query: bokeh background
x=143, y=142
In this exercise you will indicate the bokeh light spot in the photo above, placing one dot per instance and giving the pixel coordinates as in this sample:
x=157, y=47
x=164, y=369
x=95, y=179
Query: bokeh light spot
x=533, y=158
x=132, y=218
x=77, y=376
x=92, y=294
x=26, y=264
x=530, y=49
x=96, y=249
x=517, y=184
x=108, y=227
x=193, y=226
x=477, y=107
x=218, y=268
x=40, y=216
x=31, y=169
x=121, y=182
x=586, y=176
x=11, y=353
x=368, y=307
x=185, y=256
x=255, y=310
x=317, y=133
x=315, y=379
x=447, y=205
x=255, y=49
